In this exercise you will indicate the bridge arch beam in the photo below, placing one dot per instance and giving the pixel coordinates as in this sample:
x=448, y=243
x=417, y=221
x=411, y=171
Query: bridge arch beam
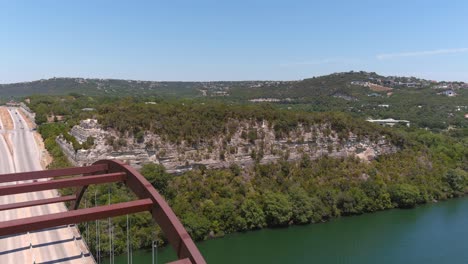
x=100, y=172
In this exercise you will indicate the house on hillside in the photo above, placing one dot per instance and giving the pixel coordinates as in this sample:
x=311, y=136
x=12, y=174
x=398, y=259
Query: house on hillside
x=441, y=86
x=360, y=83
x=389, y=122
x=448, y=93
x=388, y=82
x=412, y=85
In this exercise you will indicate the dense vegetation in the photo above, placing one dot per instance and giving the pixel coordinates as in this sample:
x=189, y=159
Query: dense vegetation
x=197, y=122
x=99, y=87
x=68, y=108
x=192, y=121
x=49, y=133
x=212, y=203
x=283, y=193
x=421, y=105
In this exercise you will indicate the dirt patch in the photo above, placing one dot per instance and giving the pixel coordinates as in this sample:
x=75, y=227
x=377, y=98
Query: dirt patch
x=379, y=88
x=46, y=159
x=6, y=118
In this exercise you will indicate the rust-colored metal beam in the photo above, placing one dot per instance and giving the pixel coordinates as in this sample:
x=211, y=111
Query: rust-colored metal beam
x=104, y=171
x=70, y=217
x=62, y=183
x=34, y=175
x=162, y=213
x=60, y=199
x=81, y=190
x=181, y=261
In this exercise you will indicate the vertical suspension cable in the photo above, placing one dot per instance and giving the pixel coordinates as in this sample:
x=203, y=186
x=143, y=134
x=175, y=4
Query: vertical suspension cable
x=152, y=252
x=86, y=224
x=131, y=246
x=85, y=231
x=98, y=236
x=96, y=226
x=113, y=251
x=128, y=244
x=155, y=242
x=109, y=226
x=88, y=240
x=99, y=241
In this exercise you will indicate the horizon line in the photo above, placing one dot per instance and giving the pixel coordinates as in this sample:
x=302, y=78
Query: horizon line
x=241, y=80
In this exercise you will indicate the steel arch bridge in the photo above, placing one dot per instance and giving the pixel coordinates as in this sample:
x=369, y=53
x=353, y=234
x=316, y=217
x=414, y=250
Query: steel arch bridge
x=103, y=171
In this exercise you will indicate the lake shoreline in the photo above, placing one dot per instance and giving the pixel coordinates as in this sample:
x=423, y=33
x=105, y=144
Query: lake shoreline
x=203, y=245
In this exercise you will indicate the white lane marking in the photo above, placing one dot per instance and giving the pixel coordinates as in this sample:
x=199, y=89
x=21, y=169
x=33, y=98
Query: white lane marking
x=23, y=140
x=12, y=119
x=9, y=166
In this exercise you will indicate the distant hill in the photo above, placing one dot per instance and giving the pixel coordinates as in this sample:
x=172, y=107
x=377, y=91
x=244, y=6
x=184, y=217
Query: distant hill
x=347, y=86
x=114, y=87
x=98, y=87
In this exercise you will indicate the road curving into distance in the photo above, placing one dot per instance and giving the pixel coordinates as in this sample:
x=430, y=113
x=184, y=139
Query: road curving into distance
x=54, y=245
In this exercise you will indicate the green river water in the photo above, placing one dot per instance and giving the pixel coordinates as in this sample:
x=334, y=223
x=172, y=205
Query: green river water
x=434, y=233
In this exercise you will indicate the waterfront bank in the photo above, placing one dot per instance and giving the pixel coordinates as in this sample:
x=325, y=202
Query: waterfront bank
x=432, y=233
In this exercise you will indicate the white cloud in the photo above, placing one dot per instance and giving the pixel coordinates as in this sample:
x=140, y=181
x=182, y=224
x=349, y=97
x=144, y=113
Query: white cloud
x=420, y=53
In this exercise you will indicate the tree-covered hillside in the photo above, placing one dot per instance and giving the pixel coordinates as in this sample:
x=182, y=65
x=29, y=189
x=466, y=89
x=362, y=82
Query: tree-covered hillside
x=362, y=94
x=99, y=87
x=429, y=166
x=212, y=203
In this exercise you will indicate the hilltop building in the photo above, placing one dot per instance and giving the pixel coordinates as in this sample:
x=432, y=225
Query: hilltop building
x=448, y=93
x=389, y=122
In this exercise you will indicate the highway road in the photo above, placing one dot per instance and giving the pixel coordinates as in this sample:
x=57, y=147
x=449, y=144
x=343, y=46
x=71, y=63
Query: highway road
x=55, y=245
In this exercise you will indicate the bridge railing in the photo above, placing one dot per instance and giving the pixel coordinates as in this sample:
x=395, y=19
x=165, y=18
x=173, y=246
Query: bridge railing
x=104, y=171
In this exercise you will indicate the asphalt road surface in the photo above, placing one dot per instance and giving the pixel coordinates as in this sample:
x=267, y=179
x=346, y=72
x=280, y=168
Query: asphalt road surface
x=55, y=245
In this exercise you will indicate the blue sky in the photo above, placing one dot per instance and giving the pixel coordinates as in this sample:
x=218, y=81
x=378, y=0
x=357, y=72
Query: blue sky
x=231, y=40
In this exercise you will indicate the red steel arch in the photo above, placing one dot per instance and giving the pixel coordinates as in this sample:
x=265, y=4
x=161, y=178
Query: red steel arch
x=103, y=171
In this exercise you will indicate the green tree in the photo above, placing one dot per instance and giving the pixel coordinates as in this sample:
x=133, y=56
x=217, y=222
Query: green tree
x=301, y=205
x=318, y=210
x=197, y=225
x=156, y=174
x=140, y=137
x=41, y=119
x=277, y=208
x=352, y=201
x=405, y=195
x=379, y=198
x=253, y=214
x=456, y=179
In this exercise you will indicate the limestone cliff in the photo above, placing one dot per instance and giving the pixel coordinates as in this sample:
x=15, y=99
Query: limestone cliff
x=251, y=141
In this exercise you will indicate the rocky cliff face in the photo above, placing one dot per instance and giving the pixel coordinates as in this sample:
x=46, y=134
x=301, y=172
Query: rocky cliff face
x=251, y=142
